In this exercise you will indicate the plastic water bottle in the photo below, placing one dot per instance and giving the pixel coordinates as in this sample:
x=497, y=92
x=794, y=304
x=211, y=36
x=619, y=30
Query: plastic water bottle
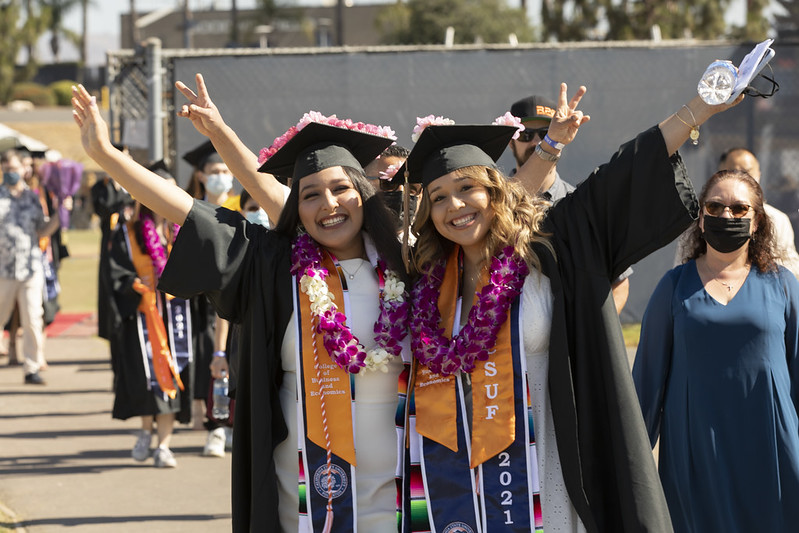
x=221, y=409
x=717, y=82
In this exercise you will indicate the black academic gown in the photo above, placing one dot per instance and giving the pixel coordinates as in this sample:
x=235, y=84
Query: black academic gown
x=106, y=200
x=628, y=208
x=243, y=269
x=131, y=397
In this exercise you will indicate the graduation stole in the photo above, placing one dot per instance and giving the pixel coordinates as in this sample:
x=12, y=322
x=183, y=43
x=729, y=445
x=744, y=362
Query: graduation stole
x=485, y=479
x=162, y=366
x=320, y=378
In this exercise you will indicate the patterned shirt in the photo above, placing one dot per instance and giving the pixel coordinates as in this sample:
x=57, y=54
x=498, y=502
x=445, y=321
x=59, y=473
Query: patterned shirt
x=20, y=219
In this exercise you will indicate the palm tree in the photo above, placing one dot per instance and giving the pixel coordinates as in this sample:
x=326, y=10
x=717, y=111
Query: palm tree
x=57, y=10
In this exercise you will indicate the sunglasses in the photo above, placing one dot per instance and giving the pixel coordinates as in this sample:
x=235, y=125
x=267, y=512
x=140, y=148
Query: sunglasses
x=716, y=209
x=414, y=188
x=529, y=134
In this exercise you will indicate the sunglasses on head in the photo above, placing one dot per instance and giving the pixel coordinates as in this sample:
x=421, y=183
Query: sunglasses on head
x=716, y=209
x=529, y=134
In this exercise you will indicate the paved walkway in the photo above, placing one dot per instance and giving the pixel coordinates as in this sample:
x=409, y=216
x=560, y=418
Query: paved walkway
x=65, y=464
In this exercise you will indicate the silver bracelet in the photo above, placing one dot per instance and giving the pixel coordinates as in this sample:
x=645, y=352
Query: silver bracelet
x=546, y=156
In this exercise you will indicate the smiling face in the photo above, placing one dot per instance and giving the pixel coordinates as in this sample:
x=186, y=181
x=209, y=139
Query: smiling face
x=461, y=210
x=332, y=212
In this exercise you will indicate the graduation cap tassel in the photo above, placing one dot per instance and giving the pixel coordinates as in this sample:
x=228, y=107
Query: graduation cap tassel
x=406, y=224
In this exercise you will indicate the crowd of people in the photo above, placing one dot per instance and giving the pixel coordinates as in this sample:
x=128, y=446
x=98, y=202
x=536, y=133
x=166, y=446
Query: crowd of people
x=417, y=342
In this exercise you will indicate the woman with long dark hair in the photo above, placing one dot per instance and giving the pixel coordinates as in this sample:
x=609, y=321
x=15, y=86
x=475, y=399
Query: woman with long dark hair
x=322, y=308
x=717, y=370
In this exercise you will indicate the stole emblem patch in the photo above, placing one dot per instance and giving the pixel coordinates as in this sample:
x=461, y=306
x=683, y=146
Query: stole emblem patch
x=340, y=481
x=458, y=527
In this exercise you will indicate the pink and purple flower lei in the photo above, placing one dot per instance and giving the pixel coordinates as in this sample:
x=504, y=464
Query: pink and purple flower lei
x=344, y=347
x=333, y=120
x=153, y=244
x=477, y=338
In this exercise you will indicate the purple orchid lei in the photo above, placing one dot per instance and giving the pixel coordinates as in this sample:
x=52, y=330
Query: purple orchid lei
x=477, y=338
x=344, y=347
x=153, y=244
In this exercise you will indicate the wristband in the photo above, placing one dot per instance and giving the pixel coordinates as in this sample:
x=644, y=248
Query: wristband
x=554, y=144
x=220, y=353
x=546, y=156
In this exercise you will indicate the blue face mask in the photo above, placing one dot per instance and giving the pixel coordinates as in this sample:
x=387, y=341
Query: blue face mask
x=258, y=217
x=11, y=178
x=218, y=183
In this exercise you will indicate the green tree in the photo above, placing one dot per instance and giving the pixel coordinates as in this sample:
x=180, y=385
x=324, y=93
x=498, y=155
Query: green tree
x=12, y=38
x=576, y=20
x=426, y=22
x=788, y=22
x=757, y=25
x=36, y=23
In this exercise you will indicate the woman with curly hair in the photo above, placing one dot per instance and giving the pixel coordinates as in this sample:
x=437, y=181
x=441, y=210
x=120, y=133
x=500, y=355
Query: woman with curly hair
x=717, y=371
x=523, y=415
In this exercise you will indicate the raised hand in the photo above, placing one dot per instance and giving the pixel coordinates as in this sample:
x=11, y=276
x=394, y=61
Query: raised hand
x=568, y=119
x=202, y=112
x=93, y=129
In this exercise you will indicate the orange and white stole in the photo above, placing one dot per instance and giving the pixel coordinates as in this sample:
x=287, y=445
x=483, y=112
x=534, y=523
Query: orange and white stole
x=473, y=469
x=153, y=336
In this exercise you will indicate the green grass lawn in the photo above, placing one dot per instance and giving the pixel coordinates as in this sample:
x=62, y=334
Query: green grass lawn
x=631, y=333
x=78, y=273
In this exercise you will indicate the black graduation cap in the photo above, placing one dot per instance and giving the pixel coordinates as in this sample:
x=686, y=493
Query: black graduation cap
x=202, y=155
x=160, y=168
x=319, y=146
x=443, y=149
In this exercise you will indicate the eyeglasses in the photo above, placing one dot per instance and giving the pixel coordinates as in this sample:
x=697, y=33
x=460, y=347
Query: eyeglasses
x=414, y=188
x=529, y=134
x=716, y=209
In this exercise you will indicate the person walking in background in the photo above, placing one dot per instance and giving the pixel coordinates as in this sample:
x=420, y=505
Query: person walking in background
x=717, y=370
x=109, y=201
x=535, y=113
x=151, y=346
x=22, y=224
x=784, y=247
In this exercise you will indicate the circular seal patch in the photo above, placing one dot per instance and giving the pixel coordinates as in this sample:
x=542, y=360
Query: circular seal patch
x=339, y=480
x=458, y=527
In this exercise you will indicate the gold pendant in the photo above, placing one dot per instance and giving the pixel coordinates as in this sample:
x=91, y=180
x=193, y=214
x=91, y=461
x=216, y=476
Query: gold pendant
x=694, y=135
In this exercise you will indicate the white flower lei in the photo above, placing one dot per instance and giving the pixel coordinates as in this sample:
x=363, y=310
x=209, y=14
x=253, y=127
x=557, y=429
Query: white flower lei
x=322, y=300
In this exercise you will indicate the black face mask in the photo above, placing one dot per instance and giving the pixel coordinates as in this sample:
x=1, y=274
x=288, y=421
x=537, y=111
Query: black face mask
x=726, y=234
x=393, y=200
x=11, y=178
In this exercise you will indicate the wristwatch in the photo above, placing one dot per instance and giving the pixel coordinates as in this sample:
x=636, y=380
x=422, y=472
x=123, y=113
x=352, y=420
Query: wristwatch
x=546, y=156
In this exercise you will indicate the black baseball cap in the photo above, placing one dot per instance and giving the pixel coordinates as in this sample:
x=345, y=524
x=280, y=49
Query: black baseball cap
x=535, y=107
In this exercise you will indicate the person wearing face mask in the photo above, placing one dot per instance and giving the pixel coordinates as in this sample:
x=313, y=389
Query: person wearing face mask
x=22, y=224
x=211, y=179
x=717, y=370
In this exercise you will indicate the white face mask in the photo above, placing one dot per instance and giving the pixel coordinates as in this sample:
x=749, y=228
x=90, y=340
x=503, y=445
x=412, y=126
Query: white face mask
x=258, y=217
x=218, y=183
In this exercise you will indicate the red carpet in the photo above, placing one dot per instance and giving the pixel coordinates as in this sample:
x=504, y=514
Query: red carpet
x=72, y=325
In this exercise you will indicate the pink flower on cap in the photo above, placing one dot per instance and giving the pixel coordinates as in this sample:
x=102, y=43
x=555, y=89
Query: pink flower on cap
x=332, y=120
x=509, y=120
x=429, y=120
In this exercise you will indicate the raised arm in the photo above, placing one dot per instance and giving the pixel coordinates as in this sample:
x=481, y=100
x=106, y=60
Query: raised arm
x=677, y=128
x=241, y=161
x=537, y=174
x=163, y=197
